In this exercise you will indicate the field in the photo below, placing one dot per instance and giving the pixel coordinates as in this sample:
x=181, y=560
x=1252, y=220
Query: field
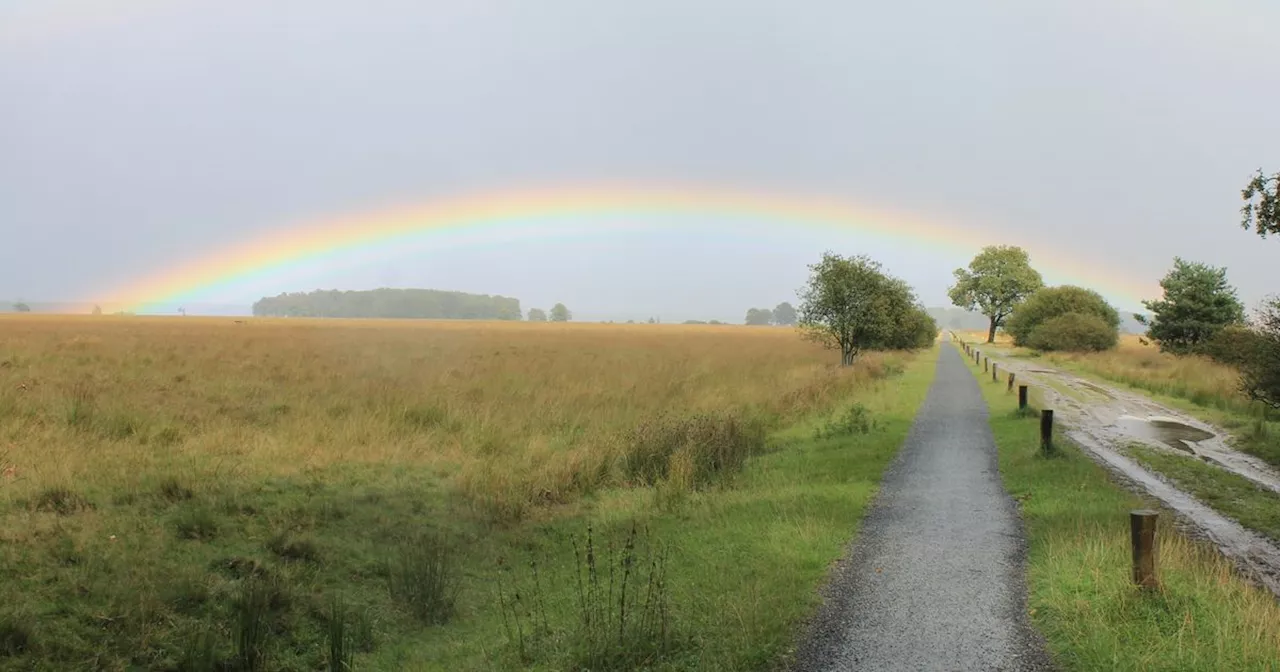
x=185, y=493
x=1203, y=617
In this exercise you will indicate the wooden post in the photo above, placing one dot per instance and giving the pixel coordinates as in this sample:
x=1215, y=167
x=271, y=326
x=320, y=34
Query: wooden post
x=1046, y=430
x=1010, y=382
x=994, y=376
x=1022, y=397
x=1142, y=529
x=986, y=361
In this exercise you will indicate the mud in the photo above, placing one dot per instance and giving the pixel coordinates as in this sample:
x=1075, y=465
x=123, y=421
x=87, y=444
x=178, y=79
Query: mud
x=1103, y=419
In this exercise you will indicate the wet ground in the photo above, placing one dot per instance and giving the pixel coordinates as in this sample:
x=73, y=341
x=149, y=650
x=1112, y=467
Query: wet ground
x=934, y=580
x=1103, y=420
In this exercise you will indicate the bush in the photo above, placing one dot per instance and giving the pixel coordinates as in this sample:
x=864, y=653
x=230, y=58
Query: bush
x=1260, y=370
x=1233, y=345
x=916, y=330
x=1075, y=332
x=856, y=420
x=1050, y=302
x=424, y=578
x=697, y=448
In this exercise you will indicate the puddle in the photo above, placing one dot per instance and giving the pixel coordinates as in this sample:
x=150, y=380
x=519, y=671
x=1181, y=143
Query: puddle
x=1169, y=432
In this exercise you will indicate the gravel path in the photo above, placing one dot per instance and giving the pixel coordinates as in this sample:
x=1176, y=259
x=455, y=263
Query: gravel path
x=934, y=580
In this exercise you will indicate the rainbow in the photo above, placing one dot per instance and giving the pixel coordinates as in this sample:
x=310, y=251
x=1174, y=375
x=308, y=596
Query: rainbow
x=538, y=211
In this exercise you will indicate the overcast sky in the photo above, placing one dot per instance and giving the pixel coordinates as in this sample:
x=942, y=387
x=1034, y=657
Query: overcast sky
x=136, y=135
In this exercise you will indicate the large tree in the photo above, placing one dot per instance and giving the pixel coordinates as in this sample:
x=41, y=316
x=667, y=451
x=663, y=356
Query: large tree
x=537, y=315
x=784, y=315
x=1198, y=302
x=559, y=313
x=759, y=316
x=1262, y=204
x=21, y=307
x=850, y=304
x=997, y=280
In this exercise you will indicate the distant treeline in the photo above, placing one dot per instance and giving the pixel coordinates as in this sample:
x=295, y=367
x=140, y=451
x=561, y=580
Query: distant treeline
x=390, y=303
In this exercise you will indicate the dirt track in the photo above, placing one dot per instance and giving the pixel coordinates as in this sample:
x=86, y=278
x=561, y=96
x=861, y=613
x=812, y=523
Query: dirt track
x=1102, y=419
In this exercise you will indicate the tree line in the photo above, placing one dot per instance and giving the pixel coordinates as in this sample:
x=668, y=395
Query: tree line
x=389, y=303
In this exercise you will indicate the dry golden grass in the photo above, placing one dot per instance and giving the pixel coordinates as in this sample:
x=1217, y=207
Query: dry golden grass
x=514, y=411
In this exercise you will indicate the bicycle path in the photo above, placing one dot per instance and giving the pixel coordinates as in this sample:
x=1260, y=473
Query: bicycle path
x=934, y=579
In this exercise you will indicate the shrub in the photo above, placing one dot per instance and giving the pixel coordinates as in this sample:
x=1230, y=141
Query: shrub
x=856, y=420
x=1050, y=302
x=1233, y=345
x=423, y=578
x=1076, y=332
x=917, y=329
x=702, y=447
x=1260, y=370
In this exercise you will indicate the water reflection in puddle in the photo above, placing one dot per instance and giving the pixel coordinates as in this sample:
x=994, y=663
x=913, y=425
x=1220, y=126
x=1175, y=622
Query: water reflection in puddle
x=1169, y=432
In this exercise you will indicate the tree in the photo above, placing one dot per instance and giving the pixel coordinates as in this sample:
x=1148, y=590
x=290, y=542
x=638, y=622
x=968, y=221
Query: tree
x=537, y=315
x=1262, y=204
x=1260, y=368
x=21, y=307
x=759, y=316
x=97, y=310
x=997, y=280
x=850, y=304
x=1198, y=302
x=1050, y=302
x=784, y=315
x=918, y=329
x=560, y=314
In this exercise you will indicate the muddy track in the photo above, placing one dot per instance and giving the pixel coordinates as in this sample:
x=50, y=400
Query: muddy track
x=1102, y=420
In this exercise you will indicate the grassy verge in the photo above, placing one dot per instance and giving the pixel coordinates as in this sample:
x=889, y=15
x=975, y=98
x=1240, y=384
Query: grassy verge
x=1079, y=591
x=1235, y=496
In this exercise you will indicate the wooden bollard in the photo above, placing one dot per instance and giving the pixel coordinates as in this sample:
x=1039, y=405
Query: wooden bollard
x=1142, y=529
x=1011, y=382
x=1022, y=397
x=1046, y=430
x=994, y=376
x=986, y=361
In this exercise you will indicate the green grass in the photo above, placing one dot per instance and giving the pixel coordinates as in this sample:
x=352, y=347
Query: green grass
x=1078, y=569
x=1235, y=496
x=742, y=564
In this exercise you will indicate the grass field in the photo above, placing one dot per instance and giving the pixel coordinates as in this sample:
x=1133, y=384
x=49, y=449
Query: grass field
x=1203, y=617
x=206, y=494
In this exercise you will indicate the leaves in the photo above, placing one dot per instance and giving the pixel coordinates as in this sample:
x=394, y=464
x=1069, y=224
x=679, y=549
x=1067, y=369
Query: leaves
x=1198, y=303
x=1261, y=211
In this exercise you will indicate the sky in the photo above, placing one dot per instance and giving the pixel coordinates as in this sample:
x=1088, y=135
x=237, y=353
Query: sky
x=1109, y=136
